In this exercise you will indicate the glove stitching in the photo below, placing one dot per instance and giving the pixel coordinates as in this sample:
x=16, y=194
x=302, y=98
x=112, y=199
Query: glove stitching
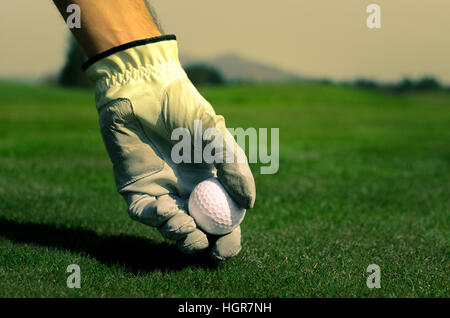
x=144, y=72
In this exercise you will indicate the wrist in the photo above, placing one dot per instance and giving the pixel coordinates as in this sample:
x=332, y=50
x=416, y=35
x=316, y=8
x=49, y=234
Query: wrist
x=110, y=23
x=150, y=63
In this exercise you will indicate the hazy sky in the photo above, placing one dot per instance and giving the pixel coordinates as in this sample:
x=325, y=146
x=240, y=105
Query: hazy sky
x=320, y=38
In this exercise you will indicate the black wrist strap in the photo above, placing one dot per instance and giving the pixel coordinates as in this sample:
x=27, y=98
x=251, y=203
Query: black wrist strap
x=125, y=46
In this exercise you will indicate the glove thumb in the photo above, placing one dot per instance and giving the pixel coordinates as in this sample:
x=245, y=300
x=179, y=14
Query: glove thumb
x=235, y=174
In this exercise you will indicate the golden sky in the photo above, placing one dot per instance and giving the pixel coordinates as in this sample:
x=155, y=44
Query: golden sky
x=319, y=38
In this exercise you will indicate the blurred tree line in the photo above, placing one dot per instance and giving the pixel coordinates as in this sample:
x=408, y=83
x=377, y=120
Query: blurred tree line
x=203, y=74
x=426, y=83
x=71, y=73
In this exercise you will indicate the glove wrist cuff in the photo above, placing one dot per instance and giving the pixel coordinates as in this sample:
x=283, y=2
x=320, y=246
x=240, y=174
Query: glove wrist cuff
x=154, y=59
x=124, y=47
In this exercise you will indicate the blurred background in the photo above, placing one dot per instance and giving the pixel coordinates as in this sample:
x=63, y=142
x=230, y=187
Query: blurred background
x=254, y=40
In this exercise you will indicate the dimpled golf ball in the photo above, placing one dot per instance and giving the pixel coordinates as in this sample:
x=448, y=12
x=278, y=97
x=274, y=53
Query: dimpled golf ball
x=213, y=209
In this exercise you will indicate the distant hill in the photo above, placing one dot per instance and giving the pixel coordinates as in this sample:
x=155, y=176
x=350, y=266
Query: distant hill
x=236, y=68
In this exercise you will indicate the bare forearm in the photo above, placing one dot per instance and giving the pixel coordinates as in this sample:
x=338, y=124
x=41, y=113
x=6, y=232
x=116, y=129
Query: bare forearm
x=109, y=23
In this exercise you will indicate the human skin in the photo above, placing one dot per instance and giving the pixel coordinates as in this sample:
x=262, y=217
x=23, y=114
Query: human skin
x=155, y=191
x=109, y=23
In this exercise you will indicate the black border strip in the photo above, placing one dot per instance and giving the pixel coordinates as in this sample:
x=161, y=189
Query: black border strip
x=125, y=46
x=224, y=307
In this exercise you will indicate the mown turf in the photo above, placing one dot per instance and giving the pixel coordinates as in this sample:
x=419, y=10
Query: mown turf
x=364, y=179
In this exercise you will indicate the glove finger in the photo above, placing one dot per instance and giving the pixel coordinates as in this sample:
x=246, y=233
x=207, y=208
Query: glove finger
x=153, y=211
x=228, y=245
x=177, y=226
x=193, y=242
x=233, y=171
x=236, y=176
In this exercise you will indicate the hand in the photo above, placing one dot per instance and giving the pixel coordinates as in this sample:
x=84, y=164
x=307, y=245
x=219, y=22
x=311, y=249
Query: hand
x=142, y=96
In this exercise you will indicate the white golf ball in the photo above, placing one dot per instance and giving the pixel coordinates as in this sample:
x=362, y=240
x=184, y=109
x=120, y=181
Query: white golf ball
x=213, y=209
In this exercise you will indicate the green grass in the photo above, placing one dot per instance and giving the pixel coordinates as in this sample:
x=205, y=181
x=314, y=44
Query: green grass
x=364, y=178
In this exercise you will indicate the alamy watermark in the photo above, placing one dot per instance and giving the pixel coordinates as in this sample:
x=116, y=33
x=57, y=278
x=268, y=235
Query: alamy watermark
x=74, y=279
x=374, y=279
x=73, y=20
x=216, y=146
x=374, y=19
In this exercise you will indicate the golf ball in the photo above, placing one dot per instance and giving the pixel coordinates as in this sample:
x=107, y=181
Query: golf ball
x=213, y=209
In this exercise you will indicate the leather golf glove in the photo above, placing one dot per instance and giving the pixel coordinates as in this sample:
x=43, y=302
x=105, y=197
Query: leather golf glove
x=143, y=98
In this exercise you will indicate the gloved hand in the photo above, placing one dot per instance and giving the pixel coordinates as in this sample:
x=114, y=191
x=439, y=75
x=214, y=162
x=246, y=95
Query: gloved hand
x=143, y=95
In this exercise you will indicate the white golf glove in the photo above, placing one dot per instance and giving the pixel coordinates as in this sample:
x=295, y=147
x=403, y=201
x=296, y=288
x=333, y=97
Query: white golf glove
x=142, y=95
